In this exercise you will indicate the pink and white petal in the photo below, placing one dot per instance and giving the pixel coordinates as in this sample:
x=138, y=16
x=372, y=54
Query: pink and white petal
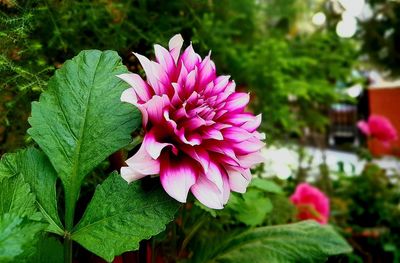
x=249, y=160
x=212, y=133
x=176, y=97
x=153, y=147
x=193, y=99
x=209, y=114
x=230, y=87
x=222, y=100
x=145, y=115
x=226, y=189
x=226, y=160
x=220, y=126
x=193, y=123
x=177, y=176
x=175, y=45
x=214, y=174
x=224, y=150
x=259, y=135
x=239, y=179
x=207, y=193
x=220, y=114
x=163, y=83
x=143, y=163
x=150, y=74
x=237, y=101
x=141, y=88
x=183, y=72
x=238, y=119
x=130, y=175
x=207, y=71
x=155, y=107
x=252, y=124
x=198, y=154
x=248, y=146
x=189, y=58
x=191, y=140
x=180, y=113
x=194, y=139
x=129, y=96
x=165, y=59
x=236, y=134
x=190, y=81
x=220, y=84
x=205, y=61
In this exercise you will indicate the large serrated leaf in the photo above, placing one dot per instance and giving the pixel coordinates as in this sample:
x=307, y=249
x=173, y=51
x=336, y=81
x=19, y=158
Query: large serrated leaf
x=17, y=236
x=80, y=120
x=120, y=215
x=300, y=242
x=32, y=166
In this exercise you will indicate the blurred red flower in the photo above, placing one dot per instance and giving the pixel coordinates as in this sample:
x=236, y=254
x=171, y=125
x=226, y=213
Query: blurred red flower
x=311, y=203
x=378, y=127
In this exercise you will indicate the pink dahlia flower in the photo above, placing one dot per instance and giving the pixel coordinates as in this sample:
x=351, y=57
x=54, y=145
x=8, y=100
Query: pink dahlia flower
x=378, y=127
x=198, y=136
x=311, y=203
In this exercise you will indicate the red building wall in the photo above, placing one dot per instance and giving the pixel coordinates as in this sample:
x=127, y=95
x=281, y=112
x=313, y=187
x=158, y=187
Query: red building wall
x=385, y=101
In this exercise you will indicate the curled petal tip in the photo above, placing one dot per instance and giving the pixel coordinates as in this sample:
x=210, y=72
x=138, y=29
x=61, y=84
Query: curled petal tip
x=129, y=96
x=130, y=175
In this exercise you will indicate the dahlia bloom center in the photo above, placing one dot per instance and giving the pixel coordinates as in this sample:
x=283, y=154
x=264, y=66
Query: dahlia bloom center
x=198, y=136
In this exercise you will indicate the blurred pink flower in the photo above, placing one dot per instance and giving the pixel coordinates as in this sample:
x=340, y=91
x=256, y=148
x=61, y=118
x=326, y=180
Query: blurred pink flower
x=378, y=127
x=311, y=203
x=198, y=136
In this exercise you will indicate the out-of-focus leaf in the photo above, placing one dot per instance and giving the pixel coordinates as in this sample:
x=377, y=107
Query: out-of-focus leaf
x=306, y=241
x=211, y=211
x=266, y=185
x=251, y=208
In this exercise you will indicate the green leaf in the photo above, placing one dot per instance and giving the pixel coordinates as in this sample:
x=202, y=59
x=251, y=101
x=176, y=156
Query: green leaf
x=33, y=167
x=40, y=174
x=211, y=211
x=18, y=212
x=120, y=215
x=266, y=185
x=48, y=250
x=17, y=236
x=16, y=197
x=250, y=208
x=79, y=120
x=305, y=241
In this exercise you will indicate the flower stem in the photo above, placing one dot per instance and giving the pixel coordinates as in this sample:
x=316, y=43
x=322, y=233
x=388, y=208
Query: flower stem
x=70, y=203
x=67, y=249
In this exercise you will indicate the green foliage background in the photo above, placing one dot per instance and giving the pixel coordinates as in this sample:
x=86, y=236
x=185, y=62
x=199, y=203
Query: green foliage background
x=290, y=70
x=260, y=43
